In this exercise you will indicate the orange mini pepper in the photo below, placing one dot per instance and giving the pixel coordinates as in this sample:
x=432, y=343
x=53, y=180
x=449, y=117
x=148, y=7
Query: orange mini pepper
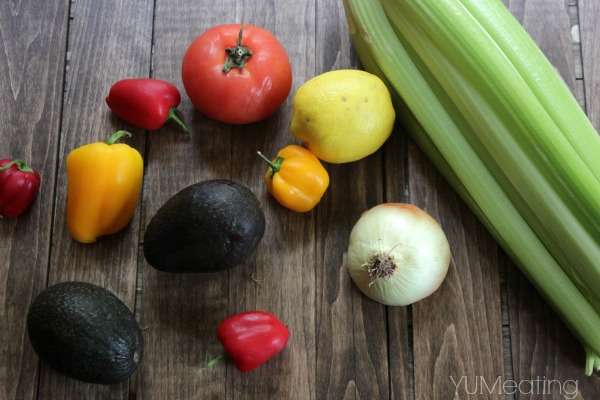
x=104, y=183
x=296, y=178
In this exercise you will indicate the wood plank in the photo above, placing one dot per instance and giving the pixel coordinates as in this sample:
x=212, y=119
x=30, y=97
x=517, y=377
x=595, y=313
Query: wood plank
x=457, y=331
x=352, y=357
x=284, y=263
x=542, y=347
x=108, y=41
x=289, y=241
x=182, y=312
x=32, y=52
x=400, y=333
x=342, y=344
x=589, y=14
x=352, y=354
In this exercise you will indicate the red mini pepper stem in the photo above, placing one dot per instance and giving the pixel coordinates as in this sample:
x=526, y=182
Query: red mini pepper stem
x=21, y=165
x=217, y=359
x=173, y=116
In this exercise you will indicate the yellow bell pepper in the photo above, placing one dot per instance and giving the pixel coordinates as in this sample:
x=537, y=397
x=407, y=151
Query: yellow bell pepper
x=296, y=178
x=104, y=184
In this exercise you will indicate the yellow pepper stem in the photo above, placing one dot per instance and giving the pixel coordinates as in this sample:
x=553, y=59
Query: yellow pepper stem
x=116, y=136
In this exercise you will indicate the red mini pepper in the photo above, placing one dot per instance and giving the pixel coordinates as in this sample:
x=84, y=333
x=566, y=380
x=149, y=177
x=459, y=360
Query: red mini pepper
x=19, y=184
x=251, y=338
x=145, y=102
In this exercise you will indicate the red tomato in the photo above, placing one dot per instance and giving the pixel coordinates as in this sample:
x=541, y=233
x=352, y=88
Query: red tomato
x=248, y=93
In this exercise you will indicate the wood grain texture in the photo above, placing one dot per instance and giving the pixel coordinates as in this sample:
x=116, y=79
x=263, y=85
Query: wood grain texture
x=101, y=51
x=58, y=60
x=181, y=312
x=284, y=264
x=457, y=331
x=589, y=15
x=399, y=319
x=352, y=356
x=278, y=276
x=32, y=51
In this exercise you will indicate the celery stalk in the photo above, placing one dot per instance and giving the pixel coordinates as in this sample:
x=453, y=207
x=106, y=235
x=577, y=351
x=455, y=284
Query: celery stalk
x=569, y=237
x=466, y=45
x=433, y=121
x=533, y=65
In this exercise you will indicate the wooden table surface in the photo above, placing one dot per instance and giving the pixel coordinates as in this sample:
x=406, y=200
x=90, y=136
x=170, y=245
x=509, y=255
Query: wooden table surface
x=484, y=328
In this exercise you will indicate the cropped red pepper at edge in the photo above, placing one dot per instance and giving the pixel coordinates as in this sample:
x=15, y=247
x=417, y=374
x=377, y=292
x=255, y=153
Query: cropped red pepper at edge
x=147, y=103
x=19, y=184
x=251, y=338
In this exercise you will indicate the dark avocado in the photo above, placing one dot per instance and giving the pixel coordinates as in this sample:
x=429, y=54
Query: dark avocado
x=85, y=332
x=210, y=226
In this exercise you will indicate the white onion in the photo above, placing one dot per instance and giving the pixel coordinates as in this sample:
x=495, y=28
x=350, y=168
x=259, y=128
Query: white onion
x=397, y=254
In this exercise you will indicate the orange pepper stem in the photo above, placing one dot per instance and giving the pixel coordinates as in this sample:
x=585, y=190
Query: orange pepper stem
x=275, y=165
x=116, y=136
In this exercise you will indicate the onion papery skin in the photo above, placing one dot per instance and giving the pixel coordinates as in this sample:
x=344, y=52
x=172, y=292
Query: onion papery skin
x=413, y=245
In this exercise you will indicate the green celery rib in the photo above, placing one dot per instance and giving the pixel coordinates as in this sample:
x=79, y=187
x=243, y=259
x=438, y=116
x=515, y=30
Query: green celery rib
x=555, y=211
x=534, y=67
x=550, y=216
x=464, y=42
x=382, y=52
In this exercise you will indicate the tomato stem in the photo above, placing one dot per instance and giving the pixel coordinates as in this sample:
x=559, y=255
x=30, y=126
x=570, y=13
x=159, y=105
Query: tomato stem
x=237, y=56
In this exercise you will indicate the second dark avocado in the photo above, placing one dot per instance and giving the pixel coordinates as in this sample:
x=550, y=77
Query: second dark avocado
x=85, y=332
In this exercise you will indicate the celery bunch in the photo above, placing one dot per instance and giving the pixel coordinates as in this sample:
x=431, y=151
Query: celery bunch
x=489, y=110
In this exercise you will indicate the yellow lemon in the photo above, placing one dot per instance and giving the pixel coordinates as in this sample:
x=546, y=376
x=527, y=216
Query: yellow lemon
x=343, y=115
